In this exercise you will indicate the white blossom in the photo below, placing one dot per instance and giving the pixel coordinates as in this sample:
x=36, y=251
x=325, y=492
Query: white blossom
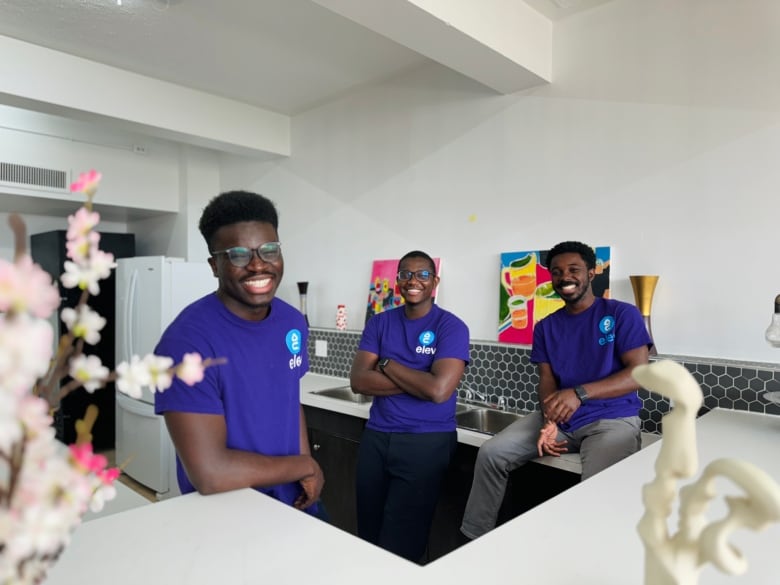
x=48, y=487
x=88, y=370
x=26, y=350
x=83, y=322
x=81, y=276
x=160, y=372
x=132, y=377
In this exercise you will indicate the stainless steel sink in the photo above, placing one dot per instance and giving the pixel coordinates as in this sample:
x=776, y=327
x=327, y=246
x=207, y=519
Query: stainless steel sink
x=460, y=407
x=343, y=393
x=485, y=420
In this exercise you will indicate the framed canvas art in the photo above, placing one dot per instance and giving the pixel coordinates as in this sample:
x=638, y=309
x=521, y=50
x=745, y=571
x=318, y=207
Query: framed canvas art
x=526, y=295
x=383, y=292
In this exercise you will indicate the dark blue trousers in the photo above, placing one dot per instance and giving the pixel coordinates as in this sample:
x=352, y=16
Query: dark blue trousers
x=398, y=481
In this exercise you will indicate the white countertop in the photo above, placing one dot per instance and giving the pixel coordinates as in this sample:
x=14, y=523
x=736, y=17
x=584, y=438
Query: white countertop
x=314, y=382
x=586, y=535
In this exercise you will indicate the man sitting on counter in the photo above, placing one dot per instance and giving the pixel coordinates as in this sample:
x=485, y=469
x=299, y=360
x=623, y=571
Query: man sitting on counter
x=584, y=352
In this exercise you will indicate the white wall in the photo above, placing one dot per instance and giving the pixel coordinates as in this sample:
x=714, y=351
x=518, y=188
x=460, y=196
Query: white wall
x=658, y=136
x=178, y=235
x=158, y=195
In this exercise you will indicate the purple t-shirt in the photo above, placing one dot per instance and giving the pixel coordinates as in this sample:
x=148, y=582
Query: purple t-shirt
x=416, y=344
x=257, y=390
x=587, y=347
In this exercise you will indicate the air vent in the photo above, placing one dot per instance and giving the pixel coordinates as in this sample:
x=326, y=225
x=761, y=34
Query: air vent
x=33, y=176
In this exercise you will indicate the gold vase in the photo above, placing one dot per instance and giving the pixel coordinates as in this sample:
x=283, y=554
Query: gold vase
x=644, y=287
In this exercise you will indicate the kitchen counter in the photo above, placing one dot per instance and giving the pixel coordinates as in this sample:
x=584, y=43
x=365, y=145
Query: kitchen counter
x=314, y=382
x=586, y=535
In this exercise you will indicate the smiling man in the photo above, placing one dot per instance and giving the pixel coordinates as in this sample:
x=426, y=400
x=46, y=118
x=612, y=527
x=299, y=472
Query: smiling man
x=585, y=352
x=410, y=359
x=243, y=425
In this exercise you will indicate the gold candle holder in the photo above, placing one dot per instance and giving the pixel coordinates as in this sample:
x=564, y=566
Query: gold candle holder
x=644, y=287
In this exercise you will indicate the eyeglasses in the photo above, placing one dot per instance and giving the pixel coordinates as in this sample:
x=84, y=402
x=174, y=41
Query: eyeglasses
x=241, y=256
x=420, y=275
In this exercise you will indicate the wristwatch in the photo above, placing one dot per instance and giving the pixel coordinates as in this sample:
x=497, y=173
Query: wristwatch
x=382, y=363
x=581, y=393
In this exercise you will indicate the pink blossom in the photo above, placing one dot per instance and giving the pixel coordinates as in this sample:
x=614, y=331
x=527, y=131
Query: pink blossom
x=190, y=370
x=109, y=475
x=81, y=247
x=87, y=183
x=34, y=415
x=81, y=223
x=26, y=287
x=86, y=460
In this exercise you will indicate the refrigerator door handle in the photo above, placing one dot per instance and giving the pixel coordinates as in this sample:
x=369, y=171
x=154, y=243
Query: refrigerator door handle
x=137, y=407
x=129, y=316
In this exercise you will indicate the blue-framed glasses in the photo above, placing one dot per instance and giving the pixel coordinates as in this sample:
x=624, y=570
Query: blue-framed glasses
x=241, y=256
x=420, y=275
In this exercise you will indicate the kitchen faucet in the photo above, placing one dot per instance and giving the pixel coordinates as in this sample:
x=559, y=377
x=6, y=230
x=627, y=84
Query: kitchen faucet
x=476, y=397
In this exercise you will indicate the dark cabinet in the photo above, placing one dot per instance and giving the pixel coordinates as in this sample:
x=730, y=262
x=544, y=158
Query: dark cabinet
x=334, y=439
x=445, y=533
x=528, y=486
x=48, y=250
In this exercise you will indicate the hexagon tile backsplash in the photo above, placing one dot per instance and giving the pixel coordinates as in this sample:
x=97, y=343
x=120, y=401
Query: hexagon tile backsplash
x=502, y=370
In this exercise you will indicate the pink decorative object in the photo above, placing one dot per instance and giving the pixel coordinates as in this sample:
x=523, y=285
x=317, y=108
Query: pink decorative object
x=341, y=317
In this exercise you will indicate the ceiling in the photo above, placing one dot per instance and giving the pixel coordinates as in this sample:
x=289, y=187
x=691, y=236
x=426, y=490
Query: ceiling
x=281, y=55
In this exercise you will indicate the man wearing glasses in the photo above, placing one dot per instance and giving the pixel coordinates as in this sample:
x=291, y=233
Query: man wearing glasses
x=410, y=359
x=242, y=425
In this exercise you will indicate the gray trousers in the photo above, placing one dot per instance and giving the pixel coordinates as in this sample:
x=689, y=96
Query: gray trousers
x=600, y=444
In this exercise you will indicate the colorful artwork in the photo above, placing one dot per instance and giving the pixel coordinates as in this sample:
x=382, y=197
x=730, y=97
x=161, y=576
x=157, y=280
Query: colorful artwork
x=383, y=293
x=526, y=295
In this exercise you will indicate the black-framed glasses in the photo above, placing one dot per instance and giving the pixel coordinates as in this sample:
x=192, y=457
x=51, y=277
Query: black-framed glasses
x=241, y=256
x=420, y=275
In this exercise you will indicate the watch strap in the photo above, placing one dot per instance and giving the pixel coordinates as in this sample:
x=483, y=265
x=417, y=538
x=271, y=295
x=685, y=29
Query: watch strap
x=581, y=393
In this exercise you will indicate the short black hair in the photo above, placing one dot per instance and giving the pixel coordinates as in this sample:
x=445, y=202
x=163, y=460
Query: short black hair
x=233, y=207
x=585, y=252
x=418, y=254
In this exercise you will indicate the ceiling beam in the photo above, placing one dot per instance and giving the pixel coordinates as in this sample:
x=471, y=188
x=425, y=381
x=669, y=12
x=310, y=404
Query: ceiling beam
x=503, y=44
x=48, y=81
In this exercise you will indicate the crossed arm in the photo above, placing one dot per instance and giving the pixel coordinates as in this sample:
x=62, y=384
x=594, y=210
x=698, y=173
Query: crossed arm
x=435, y=386
x=212, y=467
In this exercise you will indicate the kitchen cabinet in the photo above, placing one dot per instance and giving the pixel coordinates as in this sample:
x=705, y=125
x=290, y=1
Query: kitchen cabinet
x=334, y=439
x=528, y=486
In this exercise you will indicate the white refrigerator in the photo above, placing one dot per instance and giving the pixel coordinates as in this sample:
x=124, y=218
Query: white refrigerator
x=150, y=292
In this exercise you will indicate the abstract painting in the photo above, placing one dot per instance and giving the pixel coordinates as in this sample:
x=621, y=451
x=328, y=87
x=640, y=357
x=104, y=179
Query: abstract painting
x=526, y=295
